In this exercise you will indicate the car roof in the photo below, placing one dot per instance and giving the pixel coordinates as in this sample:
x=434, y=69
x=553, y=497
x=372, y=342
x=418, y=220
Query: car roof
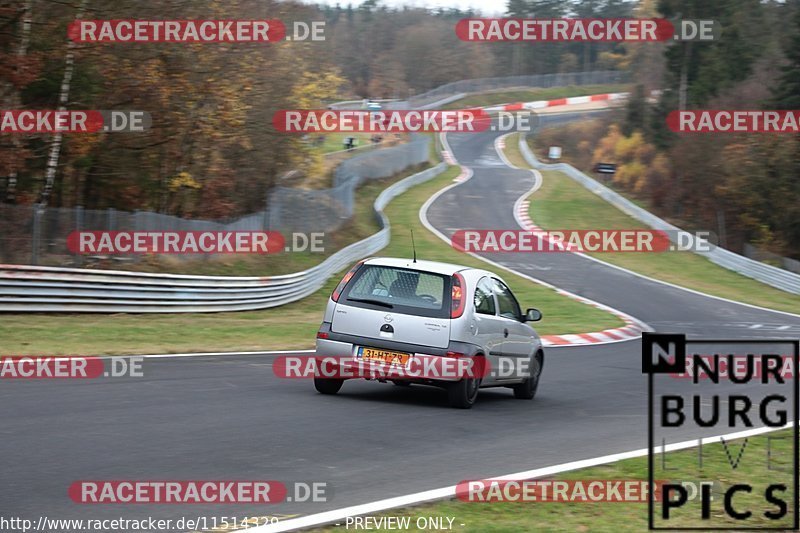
x=447, y=269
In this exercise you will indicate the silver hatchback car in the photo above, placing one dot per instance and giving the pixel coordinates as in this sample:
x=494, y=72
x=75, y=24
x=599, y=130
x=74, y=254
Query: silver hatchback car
x=389, y=312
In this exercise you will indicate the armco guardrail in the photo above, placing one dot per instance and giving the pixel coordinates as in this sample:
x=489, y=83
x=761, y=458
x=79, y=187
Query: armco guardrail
x=50, y=289
x=764, y=273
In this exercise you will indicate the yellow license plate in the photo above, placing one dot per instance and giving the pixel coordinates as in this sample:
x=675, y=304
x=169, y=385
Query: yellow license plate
x=383, y=356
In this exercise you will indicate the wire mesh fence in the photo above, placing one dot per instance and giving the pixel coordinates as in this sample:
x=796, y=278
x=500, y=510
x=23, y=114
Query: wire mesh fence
x=30, y=234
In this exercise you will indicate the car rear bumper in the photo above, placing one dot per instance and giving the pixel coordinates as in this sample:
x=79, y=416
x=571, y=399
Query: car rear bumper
x=429, y=363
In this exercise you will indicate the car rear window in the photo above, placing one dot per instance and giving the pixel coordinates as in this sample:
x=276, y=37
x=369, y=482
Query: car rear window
x=407, y=291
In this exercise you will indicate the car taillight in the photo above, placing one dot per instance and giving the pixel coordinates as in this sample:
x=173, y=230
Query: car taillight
x=457, y=299
x=322, y=335
x=340, y=287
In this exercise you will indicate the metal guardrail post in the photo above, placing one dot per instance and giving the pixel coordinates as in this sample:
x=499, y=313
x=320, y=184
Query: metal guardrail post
x=79, y=227
x=274, y=214
x=36, y=236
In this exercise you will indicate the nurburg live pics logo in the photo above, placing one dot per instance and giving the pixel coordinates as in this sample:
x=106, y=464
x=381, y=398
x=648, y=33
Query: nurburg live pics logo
x=735, y=386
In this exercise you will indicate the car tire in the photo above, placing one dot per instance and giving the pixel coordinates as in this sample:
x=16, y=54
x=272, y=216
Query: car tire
x=527, y=389
x=327, y=385
x=463, y=394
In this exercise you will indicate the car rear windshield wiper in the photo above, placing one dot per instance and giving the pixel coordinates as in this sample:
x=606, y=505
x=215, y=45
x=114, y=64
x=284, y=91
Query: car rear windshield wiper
x=371, y=301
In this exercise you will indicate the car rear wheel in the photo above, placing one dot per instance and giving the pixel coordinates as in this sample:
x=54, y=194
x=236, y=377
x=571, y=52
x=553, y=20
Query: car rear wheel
x=462, y=394
x=527, y=389
x=328, y=386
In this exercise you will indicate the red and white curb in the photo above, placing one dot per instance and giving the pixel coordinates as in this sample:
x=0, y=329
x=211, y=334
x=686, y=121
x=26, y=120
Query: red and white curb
x=523, y=217
x=450, y=159
x=466, y=173
x=573, y=100
x=521, y=211
x=631, y=330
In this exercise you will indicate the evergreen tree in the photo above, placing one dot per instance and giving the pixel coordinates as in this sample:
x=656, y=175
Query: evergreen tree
x=787, y=91
x=636, y=111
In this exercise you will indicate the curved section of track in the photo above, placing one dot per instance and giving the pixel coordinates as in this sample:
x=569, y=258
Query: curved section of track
x=228, y=417
x=488, y=200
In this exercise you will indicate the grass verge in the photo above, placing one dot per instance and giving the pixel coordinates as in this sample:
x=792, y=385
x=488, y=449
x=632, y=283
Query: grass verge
x=561, y=203
x=512, y=152
x=291, y=326
x=627, y=516
x=328, y=143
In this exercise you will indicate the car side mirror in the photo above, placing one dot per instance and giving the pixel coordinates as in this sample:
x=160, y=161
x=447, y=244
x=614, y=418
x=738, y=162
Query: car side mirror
x=532, y=315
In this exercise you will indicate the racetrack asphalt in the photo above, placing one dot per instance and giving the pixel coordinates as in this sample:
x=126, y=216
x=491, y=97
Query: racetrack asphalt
x=229, y=417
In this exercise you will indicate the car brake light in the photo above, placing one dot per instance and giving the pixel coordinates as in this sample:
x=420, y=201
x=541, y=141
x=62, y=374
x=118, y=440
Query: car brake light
x=340, y=287
x=454, y=354
x=457, y=300
x=322, y=335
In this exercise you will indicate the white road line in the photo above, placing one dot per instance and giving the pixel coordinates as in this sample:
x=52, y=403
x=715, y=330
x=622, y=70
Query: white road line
x=443, y=493
x=423, y=217
x=446, y=146
x=499, y=146
x=450, y=492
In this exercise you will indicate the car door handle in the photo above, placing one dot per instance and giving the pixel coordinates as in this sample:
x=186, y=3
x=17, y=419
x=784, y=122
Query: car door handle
x=505, y=333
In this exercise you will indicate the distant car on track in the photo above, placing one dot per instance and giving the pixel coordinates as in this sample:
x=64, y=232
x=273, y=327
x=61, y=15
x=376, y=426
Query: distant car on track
x=389, y=312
